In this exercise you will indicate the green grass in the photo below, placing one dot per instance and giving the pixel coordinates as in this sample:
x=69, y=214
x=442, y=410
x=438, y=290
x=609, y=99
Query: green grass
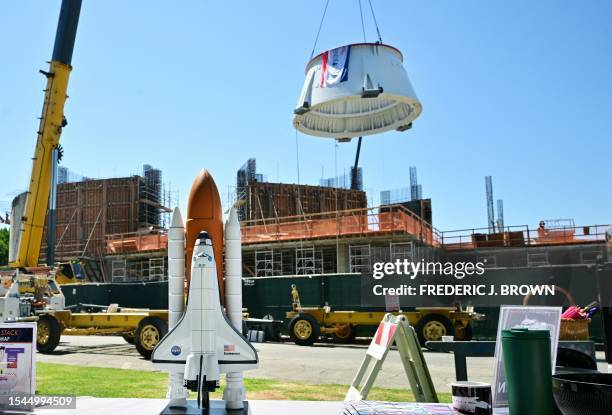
x=57, y=379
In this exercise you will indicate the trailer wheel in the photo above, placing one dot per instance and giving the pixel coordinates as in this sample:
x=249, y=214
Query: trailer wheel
x=48, y=333
x=464, y=333
x=304, y=330
x=345, y=334
x=432, y=327
x=149, y=332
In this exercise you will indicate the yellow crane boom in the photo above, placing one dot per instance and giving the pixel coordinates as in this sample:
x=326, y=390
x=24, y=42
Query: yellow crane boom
x=51, y=123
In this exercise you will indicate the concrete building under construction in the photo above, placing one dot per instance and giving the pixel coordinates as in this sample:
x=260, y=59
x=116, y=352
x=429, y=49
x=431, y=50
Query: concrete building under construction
x=294, y=229
x=90, y=211
x=258, y=199
x=291, y=229
x=324, y=240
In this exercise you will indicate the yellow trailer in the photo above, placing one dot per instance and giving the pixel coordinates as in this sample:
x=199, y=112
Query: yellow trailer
x=307, y=324
x=141, y=327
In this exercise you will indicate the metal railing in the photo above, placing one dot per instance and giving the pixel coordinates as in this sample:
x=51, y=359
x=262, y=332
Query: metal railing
x=353, y=222
x=376, y=221
x=123, y=243
x=523, y=235
x=396, y=218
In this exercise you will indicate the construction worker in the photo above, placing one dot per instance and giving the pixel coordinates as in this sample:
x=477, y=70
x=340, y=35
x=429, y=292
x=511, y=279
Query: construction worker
x=542, y=231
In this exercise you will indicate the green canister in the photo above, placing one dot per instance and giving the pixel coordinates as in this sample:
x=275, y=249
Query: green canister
x=528, y=371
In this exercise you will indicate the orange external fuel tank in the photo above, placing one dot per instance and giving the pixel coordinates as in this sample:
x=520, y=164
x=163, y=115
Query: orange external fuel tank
x=204, y=214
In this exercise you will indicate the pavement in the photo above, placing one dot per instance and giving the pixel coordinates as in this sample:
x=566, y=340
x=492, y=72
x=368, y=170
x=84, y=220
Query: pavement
x=318, y=364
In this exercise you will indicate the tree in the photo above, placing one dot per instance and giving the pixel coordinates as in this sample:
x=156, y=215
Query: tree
x=4, y=243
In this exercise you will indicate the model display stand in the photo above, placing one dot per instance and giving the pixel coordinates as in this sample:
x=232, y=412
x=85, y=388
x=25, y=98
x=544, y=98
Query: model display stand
x=216, y=408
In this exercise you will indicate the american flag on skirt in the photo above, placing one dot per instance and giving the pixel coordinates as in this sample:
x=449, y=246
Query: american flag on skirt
x=334, y=68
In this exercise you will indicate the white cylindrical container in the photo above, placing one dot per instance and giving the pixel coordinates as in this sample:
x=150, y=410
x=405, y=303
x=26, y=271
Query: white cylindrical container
x=356, y=90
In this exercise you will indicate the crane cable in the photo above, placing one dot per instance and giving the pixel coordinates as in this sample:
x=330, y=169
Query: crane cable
x=362, y=23
x=319, y=31
x=375, y=22
x=297, y=156
x=314, y=46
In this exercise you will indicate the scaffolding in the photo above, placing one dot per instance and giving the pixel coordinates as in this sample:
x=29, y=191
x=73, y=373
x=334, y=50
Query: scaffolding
x=416, y=191
x=344, y=180
x=490, y=208
x=500, y=214
x=360, y=257
x=150, y=193
x=393, y=196
x=130, y=268
x=401, y=251
x=118, y=270
x=537, y=258
x=291, y=261
x=264, y=263
x=170, y=199
x=135, y=271
x=157, y=269
x=305, y=261
x=245, y=175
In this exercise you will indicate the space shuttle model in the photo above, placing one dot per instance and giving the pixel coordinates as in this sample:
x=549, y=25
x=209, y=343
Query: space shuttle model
x=202, y=342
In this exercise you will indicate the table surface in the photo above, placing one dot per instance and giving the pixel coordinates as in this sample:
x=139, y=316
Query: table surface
x=464, y=349
x=124, y=406
x=487, y=347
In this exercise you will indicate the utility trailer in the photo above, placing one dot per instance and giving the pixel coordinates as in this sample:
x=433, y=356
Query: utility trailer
x=143, y=328
x=307, y=324
x=36, y=296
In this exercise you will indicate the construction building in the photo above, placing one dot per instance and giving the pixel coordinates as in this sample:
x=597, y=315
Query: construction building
x=92, y=212
x=290, y=229
x=324, y=239
x=335, y=242
x=295, y=229
x=264, y=201
x=259, y=200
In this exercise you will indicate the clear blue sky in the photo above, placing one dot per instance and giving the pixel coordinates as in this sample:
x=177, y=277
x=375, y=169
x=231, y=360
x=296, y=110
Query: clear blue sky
x=519, y=90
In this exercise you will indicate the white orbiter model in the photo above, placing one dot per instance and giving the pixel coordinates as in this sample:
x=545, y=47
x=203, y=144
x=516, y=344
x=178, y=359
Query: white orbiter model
x=204, y=344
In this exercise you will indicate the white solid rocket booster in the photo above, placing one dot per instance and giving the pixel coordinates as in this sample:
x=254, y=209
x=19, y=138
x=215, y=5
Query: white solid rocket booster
x=233, y=394
x=177, y=393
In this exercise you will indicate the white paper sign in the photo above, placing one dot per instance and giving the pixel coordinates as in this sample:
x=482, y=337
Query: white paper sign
x=17, y=362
